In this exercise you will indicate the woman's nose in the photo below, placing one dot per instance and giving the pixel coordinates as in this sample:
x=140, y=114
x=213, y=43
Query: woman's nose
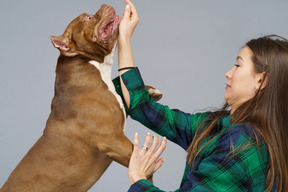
x=228, y=75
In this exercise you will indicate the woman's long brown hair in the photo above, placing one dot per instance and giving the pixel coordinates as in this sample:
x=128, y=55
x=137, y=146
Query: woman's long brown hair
x=266, y=112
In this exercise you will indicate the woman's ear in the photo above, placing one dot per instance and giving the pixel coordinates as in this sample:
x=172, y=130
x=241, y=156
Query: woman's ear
x=262, y=79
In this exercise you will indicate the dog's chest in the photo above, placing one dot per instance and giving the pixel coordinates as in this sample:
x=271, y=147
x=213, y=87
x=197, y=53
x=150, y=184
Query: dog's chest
x=105, y=71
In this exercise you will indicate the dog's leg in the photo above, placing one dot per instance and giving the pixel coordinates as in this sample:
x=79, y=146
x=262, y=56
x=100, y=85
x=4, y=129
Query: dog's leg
x=117, y=147
x=154, y=93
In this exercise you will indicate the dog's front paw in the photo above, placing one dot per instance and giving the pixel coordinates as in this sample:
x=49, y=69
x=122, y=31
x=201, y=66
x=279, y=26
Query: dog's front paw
x=154, y=93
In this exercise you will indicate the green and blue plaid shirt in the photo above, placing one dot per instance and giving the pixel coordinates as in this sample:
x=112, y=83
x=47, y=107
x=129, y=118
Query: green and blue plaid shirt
x=214, y=169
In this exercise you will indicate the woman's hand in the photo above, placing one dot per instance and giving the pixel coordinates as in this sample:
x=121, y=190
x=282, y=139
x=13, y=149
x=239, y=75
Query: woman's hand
x=128, y=23
x=144, y=162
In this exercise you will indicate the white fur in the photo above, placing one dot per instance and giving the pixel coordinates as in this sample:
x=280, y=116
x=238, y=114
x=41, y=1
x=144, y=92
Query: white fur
x=105, y=71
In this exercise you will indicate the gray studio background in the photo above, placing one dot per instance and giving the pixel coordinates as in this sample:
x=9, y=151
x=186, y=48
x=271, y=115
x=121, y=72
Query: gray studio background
x=182, y=47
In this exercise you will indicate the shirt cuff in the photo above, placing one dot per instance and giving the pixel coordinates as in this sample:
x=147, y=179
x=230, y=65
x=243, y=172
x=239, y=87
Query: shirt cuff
x=132, y=79
x=141, y=185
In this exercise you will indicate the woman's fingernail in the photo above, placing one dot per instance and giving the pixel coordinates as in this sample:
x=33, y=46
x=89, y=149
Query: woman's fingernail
x=149, y=133
x=136, y=134
x=164, y=137
x=127, y=6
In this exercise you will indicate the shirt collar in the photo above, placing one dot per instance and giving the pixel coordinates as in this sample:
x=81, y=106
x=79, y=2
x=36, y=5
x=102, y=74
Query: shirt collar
x=225, y=121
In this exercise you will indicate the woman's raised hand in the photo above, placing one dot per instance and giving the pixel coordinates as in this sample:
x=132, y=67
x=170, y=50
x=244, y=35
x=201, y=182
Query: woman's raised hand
x=128, y=23
x=145, y=161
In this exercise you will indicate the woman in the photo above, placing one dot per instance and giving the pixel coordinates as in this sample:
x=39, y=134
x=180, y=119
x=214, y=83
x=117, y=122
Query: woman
x=242, y=147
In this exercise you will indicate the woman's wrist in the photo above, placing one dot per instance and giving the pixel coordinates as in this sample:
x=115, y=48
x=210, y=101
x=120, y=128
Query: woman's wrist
x=123, y=43
x=135, y=179
x=125, y=57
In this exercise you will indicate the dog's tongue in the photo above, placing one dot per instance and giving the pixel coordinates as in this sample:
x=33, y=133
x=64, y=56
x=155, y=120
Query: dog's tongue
x=116, y=19
x=108, y=30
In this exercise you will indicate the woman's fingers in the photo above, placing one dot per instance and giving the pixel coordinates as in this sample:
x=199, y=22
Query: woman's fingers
x=156, y=153
x=136, y=142
x=132, y=7
x=127, y=12
x=158, y=164
x=147, y=142
x=162, y=147
x=154, y=144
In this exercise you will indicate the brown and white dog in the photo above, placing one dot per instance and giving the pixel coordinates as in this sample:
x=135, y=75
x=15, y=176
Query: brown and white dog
x=84, y=131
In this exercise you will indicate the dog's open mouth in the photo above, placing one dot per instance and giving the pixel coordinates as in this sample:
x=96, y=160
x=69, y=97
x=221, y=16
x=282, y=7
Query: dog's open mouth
x=106, y=32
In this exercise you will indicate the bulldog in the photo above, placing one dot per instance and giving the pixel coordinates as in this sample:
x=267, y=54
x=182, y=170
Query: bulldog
x=84, y=131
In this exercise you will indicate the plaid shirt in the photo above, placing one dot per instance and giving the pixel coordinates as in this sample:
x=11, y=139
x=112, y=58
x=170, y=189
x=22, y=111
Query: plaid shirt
x=214, y=169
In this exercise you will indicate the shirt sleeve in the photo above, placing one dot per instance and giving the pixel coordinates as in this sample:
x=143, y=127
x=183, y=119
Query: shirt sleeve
x=178, y=126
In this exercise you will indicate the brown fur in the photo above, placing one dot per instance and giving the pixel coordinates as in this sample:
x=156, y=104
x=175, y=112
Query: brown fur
x=84, y=131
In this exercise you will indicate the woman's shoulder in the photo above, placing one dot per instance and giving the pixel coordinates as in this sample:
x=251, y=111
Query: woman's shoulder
x=244, y=131
x=244, y=141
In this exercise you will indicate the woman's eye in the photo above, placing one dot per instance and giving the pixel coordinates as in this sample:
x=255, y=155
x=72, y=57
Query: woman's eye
x=237, y=65
x=89, y=17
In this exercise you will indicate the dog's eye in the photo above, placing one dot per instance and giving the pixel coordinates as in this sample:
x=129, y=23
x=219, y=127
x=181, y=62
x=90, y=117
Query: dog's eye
x=88, y=17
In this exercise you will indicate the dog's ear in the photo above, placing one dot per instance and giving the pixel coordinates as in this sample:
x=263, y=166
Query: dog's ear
x=62, y=43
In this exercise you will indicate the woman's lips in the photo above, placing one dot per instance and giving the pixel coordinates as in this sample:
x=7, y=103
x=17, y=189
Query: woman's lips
x=227, y=86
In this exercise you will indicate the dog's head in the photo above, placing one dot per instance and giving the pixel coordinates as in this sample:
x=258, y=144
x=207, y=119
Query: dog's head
x=92, y=36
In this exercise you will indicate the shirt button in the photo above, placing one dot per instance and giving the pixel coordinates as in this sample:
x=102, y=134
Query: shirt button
x=125, y=82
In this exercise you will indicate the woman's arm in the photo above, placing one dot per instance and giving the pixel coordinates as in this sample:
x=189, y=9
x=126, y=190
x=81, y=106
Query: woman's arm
x=176, y=125
x=125, y=57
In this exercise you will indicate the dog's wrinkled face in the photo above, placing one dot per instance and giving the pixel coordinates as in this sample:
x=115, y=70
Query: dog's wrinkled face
x=92, y=36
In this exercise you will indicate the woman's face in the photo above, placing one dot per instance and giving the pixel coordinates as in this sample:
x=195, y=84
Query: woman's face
x=242, y=80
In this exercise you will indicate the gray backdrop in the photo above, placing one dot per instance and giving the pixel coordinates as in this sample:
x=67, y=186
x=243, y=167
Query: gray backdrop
x=182, y=47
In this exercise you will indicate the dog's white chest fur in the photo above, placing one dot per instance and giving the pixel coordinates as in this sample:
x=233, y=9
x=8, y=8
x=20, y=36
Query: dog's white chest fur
x=105, y=71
